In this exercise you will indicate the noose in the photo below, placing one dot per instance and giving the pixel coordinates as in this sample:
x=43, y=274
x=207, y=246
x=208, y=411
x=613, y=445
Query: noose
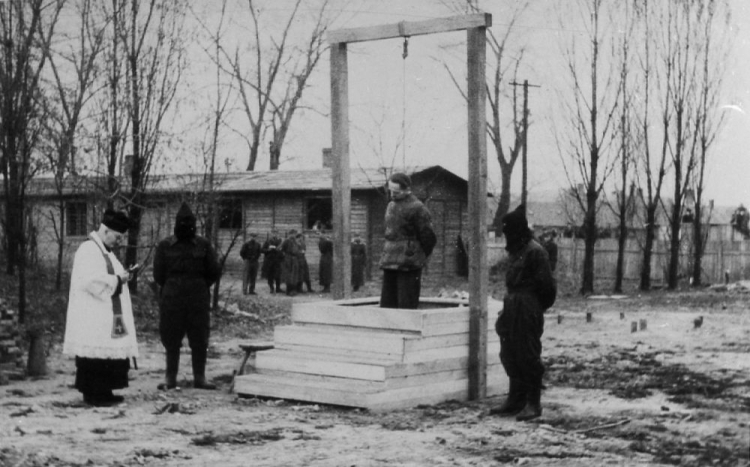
x=404, y=54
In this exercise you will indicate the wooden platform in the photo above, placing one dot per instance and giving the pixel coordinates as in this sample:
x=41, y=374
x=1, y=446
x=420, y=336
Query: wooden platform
x=354, y=353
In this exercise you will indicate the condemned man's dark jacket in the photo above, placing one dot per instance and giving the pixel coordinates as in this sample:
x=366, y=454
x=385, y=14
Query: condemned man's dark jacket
x=409, y=238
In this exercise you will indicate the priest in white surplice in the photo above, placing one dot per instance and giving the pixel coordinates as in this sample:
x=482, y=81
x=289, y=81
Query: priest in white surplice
x=100, y=331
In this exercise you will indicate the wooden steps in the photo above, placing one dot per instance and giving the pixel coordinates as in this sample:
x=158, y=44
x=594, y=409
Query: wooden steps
x=354, y=353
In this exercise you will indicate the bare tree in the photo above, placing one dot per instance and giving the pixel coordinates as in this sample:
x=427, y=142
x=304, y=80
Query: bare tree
x=153, y=50
x=304, y=63
x=209, y=196
x=624, y=194
x=593, y=108
x=714, y=43
x=73, y=75
x=104, y=142
x=506, y=110
x=690, y=96
x=652, y=164
x=24, y=25
x=270, y=80
x=679, y=32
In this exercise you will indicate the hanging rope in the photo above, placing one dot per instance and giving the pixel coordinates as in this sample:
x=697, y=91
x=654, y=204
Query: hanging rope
x=404, y=54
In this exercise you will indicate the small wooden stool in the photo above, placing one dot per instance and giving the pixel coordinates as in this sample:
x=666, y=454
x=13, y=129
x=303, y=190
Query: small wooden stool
x=250, y=348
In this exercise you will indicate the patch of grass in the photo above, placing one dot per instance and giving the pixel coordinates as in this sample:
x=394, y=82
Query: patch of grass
x=637, y=380
x=250, y=316
x=691, y=452
x=255, y=438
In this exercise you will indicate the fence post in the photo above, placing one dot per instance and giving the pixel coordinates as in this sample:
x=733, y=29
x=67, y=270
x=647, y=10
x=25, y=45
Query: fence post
x=721, y=256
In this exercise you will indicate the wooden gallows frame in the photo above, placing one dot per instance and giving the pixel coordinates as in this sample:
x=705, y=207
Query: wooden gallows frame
x=476, y=28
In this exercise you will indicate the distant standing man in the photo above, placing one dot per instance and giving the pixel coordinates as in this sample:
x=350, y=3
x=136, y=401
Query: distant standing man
x=325, y=267
x=99, y=328
x=272, y=258
x=185, y=267
x=409, y=241
x=250, y=253
x=359, y=262
x=550, y=244
x=304, y=267
x=530, y=289
x=290, y=271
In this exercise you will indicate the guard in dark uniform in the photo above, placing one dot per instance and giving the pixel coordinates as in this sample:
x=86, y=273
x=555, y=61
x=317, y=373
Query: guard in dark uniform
x=250, y=253
x=530, y=289
x=185, y=267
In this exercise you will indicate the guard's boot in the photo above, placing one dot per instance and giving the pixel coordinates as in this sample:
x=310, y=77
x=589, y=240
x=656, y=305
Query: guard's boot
x=514, y=403
x=173, y=364
x=199, y=370
x=533, y=407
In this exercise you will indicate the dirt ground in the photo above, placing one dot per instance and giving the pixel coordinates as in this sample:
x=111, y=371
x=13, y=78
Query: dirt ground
x=669, y=394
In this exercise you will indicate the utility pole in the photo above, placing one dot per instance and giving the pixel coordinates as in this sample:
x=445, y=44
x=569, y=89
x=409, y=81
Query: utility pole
x=524, y=149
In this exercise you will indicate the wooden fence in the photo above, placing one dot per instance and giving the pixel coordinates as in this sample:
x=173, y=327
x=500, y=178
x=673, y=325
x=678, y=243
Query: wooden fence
x=721, y=259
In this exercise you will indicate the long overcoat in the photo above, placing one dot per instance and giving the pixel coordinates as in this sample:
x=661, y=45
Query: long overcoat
x=272, y=258
x=325, y=267
x=290, y=270
x=359, y=263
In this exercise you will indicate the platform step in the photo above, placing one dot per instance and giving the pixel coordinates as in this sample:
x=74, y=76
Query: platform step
x=347, y=339
x=342, y=392
x=342, y=366
x=365, y=313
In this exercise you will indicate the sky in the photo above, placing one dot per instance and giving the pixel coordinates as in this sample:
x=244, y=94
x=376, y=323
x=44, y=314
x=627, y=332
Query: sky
x=391, y=96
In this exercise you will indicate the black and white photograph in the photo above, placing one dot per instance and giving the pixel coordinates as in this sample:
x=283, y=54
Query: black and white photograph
x=360, y=233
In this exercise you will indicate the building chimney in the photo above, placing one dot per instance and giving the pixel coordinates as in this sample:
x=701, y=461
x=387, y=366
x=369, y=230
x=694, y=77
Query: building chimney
x=327, y=158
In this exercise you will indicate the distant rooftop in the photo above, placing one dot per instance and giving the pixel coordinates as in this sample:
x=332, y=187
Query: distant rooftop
x=274, y=180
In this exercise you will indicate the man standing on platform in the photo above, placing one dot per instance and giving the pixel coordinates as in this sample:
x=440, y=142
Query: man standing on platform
x=250, y=253
x=409, y=241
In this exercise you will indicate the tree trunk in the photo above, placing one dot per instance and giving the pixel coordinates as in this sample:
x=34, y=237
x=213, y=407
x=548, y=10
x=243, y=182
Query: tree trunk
x=131, y=253
x=60, y=247
x=275, y=156
x=648, y=247
x=675, y=222
x=621, y=242
x=253, y=155
x=22, y=271
x=589, y=229
x=12, y=219
x=503, y=205
x=36, y=364
x=698, y=245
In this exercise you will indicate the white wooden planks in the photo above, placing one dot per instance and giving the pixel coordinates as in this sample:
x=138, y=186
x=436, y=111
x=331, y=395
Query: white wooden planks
x=354, y=353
